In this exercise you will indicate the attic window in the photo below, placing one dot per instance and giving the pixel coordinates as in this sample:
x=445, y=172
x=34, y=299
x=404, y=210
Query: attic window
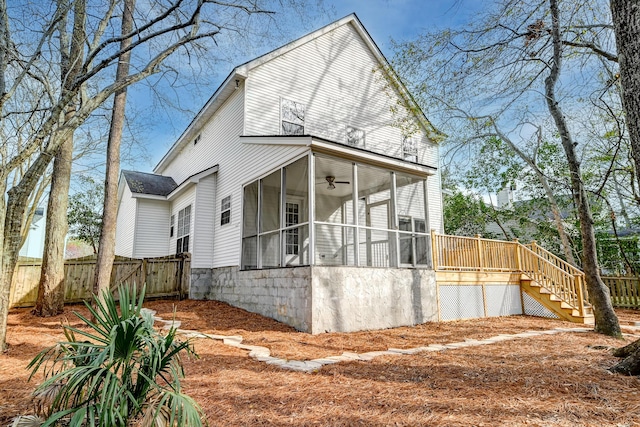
x=292, y=116
x=225, y=208
x=196, y=139
x=355, y=137
x=410, y=149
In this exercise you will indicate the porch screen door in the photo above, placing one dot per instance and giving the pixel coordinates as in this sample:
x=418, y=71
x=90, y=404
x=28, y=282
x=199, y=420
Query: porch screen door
x=378, y=240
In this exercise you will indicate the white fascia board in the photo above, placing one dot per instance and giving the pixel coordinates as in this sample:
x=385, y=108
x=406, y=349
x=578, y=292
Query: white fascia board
x=304, y=140
x=148, y=196
x=192, y=180
x=324, y=147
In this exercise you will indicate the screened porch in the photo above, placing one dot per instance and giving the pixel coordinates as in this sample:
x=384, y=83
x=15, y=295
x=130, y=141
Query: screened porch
x=328, y=211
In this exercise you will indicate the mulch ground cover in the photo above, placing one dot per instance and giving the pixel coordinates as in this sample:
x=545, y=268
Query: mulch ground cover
x=549, y=380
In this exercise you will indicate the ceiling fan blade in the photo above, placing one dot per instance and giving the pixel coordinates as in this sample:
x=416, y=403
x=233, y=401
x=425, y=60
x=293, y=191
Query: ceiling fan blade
x=342, y=182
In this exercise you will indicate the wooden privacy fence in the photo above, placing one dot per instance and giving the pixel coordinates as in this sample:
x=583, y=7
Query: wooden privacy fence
x=624, y=291
x=164, y=277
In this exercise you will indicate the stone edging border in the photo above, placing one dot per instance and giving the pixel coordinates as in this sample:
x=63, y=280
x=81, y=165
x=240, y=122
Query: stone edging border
x=263, y=354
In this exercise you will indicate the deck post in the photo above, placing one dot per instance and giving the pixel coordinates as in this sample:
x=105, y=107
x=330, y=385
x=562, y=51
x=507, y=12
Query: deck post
x=518, y=255
x=480, y=257
x=580, y=281
x=434, y=250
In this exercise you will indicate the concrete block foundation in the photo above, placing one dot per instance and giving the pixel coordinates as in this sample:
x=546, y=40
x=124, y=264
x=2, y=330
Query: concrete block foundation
x=319, y=299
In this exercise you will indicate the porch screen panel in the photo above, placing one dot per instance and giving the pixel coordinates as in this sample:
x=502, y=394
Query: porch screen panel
x=410, y=202
x=297, y=246
x=374, y=207
x=334, y=190
x=296, y=239
x=250, y=227
x=270, y=250
x=334, y=245
x=270, y=212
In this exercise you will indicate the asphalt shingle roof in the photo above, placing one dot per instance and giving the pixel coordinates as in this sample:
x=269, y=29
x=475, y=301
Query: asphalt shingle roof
x=148, y=183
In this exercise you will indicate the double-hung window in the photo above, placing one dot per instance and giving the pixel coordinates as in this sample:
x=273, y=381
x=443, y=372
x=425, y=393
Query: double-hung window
x=292, y=116
x=225, y=209
x=355, y=137
x=410, y=149
x=183, y=229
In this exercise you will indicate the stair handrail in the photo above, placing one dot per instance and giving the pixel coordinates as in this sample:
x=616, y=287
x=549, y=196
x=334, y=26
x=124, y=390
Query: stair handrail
x=572, y=295
x=570, y=268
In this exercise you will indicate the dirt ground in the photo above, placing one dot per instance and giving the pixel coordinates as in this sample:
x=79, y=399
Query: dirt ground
x=549, y=380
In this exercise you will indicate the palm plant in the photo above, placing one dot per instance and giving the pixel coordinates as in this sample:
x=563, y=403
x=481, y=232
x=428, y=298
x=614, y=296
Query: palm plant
x=118, y=371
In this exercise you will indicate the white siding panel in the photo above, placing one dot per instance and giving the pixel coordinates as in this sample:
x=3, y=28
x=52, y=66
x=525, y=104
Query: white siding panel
x=152, y=228
x=239, y=164
x=203, y=223
x=125, y=224
x=341, y=83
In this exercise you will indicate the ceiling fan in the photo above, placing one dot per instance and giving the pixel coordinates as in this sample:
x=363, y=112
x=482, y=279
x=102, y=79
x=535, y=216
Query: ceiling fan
x=331, y=180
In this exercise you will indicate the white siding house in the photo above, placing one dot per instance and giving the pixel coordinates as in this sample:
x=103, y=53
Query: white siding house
x=305, y=190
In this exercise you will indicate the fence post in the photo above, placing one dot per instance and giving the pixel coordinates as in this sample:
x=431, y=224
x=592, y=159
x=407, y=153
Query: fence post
x=434, y=249
x=518, y=255
x=480, y=257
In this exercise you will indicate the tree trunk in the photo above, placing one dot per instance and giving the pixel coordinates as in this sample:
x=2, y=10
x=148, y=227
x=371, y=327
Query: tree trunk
x=630, y=365
x=606, y=319
x=50, y=301
x=16, y=205
x=106, y=247
x=626, y=23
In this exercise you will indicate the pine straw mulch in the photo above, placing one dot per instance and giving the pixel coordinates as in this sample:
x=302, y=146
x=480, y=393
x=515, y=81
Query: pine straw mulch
x=549, y=380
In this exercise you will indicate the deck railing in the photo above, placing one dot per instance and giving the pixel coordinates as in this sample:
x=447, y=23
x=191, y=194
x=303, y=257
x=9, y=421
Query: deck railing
x=457, y=253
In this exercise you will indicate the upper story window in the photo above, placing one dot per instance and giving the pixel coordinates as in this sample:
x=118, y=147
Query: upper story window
x=184, y=228
x=173, y=221
x=355, y=137
x=292, y=116
x=410, y=149
x=225, y=208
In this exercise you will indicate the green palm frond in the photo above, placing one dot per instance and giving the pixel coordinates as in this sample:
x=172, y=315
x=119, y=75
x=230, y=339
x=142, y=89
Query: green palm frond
x=123, y=368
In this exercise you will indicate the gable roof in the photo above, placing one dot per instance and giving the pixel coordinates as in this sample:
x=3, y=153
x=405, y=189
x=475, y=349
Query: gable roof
x=149, y=183
x=241, y=72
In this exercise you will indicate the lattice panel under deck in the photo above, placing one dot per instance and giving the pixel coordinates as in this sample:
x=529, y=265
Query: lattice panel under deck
x=503, y=300
x=461, y=302
x=534, y=308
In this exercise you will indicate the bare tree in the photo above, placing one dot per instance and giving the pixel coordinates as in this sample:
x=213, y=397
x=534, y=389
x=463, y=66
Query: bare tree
x=50, y=300
x=606, y=319
x=502, y=73
x=106, y=247
x=28, y=59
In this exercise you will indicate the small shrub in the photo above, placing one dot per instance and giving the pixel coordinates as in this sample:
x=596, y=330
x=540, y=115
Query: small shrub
x=116, y=372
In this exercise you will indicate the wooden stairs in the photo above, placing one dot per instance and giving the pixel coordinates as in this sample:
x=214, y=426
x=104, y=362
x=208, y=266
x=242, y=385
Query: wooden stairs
x=555, y=303
x=554, y=283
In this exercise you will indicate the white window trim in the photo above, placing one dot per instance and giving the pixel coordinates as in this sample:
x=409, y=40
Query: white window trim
x=355, y=128
x=223, y=210
x=304, y=121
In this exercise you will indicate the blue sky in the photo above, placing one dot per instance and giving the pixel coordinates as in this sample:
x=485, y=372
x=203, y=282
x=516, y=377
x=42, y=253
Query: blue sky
x=384, y=19
x=401, y=19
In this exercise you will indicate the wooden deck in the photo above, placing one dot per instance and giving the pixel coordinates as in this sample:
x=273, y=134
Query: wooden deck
x=554, y=283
